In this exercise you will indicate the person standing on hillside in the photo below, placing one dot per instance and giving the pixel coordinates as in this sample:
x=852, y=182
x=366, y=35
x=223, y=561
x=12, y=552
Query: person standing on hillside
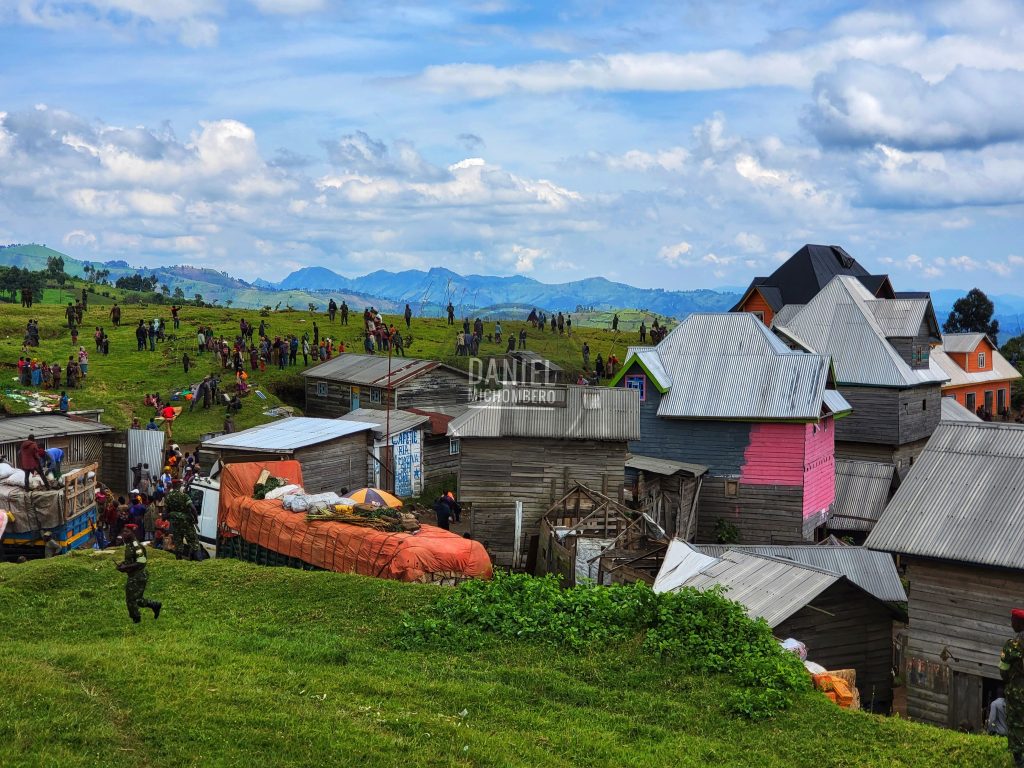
x=643, y=332
x=316, y=334
x=408, y=316
x=344, y=313
x=1011, y=669
x=134, y=565
x=586, y=356
x=332, y=309
x=70, y=314
x=181, y=513
x=175, y=319
x=451, y=314
x=615, y=322
x=115, y=315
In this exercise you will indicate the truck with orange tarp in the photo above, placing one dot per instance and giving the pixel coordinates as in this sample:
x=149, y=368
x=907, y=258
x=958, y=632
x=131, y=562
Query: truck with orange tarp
x=264, y=531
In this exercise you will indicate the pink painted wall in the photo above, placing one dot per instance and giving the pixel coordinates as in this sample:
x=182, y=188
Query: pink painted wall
x=819, y=479
x=775, y=455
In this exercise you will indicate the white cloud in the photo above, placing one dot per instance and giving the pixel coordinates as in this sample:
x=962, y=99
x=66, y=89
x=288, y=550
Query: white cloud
x=963, y=263
x=712, y=258
x=289, y=6
x=749, y=242
x=1000, y=268
x=78, y=238
x=673, y=255
x=1016, y=261
x=672, y=160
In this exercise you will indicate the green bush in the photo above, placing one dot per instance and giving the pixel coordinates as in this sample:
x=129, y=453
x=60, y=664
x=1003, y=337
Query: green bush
x=701, y=631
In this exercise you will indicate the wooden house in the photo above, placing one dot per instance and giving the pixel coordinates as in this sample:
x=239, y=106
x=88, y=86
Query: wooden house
x=843, y=625
x=333, y=453
x=801, y=277
x=957, y=525
x=980, y=378
x=529, y=447
x=667, y=491
x=81, y=438
x=396, y=459
x=881, y=352
x=722, y=391
x=352, y=381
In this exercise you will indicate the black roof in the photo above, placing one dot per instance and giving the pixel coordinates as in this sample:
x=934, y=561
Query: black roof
x=802, y=276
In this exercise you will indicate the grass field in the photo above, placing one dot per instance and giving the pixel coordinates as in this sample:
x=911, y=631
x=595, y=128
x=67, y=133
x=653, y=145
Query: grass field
x=252, y=666
x=117, y=383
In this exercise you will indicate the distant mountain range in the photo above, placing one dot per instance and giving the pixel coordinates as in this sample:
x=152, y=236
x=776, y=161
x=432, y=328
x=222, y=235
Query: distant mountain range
x=430, y=291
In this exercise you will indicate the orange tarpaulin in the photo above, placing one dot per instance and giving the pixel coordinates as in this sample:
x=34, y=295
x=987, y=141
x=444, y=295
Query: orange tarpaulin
x=428, y=554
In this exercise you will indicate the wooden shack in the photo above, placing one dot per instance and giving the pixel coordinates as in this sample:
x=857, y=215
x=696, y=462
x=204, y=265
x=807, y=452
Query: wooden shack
x=440, y=452
x=531, y=446
x=81, y=438
x=581, y=527
x=352, y=381
x=334, y=454
x=956, y=524
x=843, y=625
x=667, y=491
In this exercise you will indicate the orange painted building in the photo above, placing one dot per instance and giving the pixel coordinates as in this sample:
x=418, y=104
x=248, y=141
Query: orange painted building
x=979, y=376
x=756, y=304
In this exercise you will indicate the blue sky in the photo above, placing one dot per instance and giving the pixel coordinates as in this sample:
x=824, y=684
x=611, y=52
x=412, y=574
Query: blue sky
x=666, y=144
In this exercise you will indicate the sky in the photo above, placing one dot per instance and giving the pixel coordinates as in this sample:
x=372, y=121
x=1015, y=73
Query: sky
x=673, y=145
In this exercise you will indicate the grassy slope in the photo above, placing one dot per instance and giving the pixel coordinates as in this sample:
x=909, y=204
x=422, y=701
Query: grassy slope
x=259, y=666
x=117, y=383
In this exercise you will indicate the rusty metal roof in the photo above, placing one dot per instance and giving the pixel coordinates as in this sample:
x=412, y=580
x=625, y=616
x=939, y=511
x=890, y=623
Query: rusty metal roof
x=963, y=500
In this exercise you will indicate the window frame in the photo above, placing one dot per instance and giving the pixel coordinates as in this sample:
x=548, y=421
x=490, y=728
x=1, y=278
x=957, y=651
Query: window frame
x=454, y=447
x=375, y=395
x=322, y=389
x=629, y=379
x=971, y=401
x=981, y=360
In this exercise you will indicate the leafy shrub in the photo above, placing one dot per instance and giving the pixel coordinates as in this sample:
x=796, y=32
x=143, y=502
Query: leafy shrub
x=725, y=532
x=702, y=631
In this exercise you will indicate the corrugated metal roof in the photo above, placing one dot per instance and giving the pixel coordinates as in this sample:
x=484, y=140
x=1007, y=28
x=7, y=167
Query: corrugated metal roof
x=953, y=411
x=769, y=588
x=839, y=322
x=784, y=314
x=590, y=413
x=835, y=402
x=682, y=562
x=372, y=370
x=399, y=420
x=651, y=362
x=958, y=377
x=962, y=342
x=288, y=434
x=730, y=366
x=862, y=491
x=962, y=500
x=899, y=317
x=874, y=572
x=46, y=425
x=663, y=466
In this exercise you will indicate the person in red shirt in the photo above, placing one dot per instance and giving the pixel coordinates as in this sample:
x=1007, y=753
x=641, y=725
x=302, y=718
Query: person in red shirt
x=30, y=454
x=168, y=414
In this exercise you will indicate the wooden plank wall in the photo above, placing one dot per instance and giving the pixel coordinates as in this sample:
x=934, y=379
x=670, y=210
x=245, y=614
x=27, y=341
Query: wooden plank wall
x=337, y=401
x=902, y=456
x=963, y=609
x=436, y=388
x=764, y=514
x=920, y=410
x=857, y=634
x=437, y=459
x=341, y=463
x=494, y=473
x=114, y=464
x=875, y=417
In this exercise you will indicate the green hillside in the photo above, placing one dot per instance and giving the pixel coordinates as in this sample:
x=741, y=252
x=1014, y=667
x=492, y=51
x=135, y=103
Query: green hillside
x=117, y=383
x=252, y=666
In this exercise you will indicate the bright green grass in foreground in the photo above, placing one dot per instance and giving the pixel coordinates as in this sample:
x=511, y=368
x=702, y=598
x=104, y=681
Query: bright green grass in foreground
x=252, y=666
x=118, y=382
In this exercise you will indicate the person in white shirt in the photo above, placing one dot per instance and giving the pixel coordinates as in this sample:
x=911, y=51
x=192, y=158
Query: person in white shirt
x=996, y=722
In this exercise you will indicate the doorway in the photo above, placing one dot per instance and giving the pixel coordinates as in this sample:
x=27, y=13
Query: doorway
x=965, y=703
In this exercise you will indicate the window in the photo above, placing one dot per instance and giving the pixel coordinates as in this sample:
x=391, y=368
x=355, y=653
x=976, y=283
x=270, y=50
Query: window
x=1001, y=399
x=924, y=404
x=758, y=314
x=989, y=396
x=639, y=383
x=971, y=402
x=321, y=389
x=981, y=361
x=732, y=488
x=453, y=446
x=375, y=395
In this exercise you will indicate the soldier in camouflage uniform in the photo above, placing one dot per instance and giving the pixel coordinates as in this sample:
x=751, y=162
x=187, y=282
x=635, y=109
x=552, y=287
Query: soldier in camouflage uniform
x=181, y=514
x=1011, y=668
x=135, y=566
